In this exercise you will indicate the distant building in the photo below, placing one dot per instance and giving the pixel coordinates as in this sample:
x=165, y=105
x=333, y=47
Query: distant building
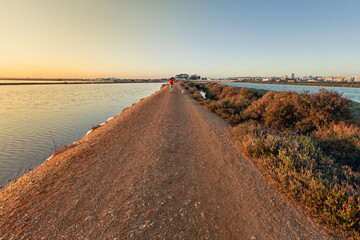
x=357, y=79
x=339, y=79
x=329, y=79
x=286, y=77
x=292, y=75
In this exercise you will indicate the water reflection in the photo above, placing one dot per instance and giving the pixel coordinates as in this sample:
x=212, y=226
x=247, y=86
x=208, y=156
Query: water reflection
x=31, y=115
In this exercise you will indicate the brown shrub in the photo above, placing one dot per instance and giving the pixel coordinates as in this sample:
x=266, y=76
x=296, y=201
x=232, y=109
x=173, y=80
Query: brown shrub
x=300, y=112
x=192, y=89
x=196, y=95
x=306, y=142
x=328, y=190
x=341, y=141
x=227, y=101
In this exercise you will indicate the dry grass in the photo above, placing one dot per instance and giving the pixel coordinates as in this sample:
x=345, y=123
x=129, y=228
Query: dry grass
x=193, y=90
x=299, y=112
x=228, y=102
x=309, y=143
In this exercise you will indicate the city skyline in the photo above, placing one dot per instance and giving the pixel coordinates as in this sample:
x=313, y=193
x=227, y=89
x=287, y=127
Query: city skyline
x=142, y=39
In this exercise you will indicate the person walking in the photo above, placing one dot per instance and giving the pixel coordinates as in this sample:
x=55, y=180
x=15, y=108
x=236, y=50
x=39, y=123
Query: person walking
x=171, y=82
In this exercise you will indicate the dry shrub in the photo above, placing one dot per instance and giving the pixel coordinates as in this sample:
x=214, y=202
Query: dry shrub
x=309, y=143
x=342, y=142
x=192, y=88
x=226, y=101
x=196, y=95
x=306, y=174
x=299, y=112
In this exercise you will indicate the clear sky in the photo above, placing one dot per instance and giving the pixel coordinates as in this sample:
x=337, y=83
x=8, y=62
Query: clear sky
x=161, y=38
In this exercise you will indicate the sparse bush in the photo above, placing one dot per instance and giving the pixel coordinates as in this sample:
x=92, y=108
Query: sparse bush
x=305, y=173
x=299, y=112
x=342, y=142
x=309, y=143
x=227, y=101
x=192, y=88
x=196, y=95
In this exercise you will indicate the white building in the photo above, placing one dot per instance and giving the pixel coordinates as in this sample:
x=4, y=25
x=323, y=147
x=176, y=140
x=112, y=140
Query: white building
x=357, y=79
x=329, y=79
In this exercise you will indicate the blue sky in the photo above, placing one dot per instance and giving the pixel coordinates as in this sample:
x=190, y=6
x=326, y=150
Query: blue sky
x=160, y=38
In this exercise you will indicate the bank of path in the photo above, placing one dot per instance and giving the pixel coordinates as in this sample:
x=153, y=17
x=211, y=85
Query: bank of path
x=166, y=168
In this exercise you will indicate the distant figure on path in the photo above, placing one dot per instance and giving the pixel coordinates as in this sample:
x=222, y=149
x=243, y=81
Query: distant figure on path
x=171, y=81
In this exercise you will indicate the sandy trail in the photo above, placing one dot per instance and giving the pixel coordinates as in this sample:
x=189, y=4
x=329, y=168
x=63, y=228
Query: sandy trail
x=166, y=168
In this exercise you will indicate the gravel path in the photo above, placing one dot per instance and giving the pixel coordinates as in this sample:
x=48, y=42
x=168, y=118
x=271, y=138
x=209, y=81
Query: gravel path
x=166, y=168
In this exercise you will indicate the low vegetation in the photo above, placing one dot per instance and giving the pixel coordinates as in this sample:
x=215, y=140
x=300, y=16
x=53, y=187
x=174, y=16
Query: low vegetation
x=309, y=143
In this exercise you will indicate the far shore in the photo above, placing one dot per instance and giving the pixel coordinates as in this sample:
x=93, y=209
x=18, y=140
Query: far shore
x=321, y=84
x=50, y=82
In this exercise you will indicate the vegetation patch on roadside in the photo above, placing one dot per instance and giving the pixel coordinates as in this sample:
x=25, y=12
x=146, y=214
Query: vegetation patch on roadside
x=309, y=143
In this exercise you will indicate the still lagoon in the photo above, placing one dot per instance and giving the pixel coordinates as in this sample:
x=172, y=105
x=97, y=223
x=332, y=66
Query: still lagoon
x=352, y=93
x=34, y=117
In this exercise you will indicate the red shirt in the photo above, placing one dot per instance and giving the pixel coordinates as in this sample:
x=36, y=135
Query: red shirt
x=171, y=82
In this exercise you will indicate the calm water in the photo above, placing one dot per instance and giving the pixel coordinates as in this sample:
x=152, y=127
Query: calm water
x=32, y=115
x=352, y=93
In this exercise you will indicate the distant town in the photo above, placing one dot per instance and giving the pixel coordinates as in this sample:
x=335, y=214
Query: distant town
x=291, y=78
x=286, y=78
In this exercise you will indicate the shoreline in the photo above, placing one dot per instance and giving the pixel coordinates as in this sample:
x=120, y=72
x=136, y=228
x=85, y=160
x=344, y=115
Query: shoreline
x=342, y=85
x=69, y=83
x=91, y=130
x=317, y=84
x=165, y=167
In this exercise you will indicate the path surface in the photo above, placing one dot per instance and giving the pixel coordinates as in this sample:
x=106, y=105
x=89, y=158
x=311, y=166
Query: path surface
x=164, y=169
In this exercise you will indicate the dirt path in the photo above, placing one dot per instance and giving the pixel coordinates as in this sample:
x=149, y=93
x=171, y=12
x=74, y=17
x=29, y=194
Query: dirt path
x=164, y=169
